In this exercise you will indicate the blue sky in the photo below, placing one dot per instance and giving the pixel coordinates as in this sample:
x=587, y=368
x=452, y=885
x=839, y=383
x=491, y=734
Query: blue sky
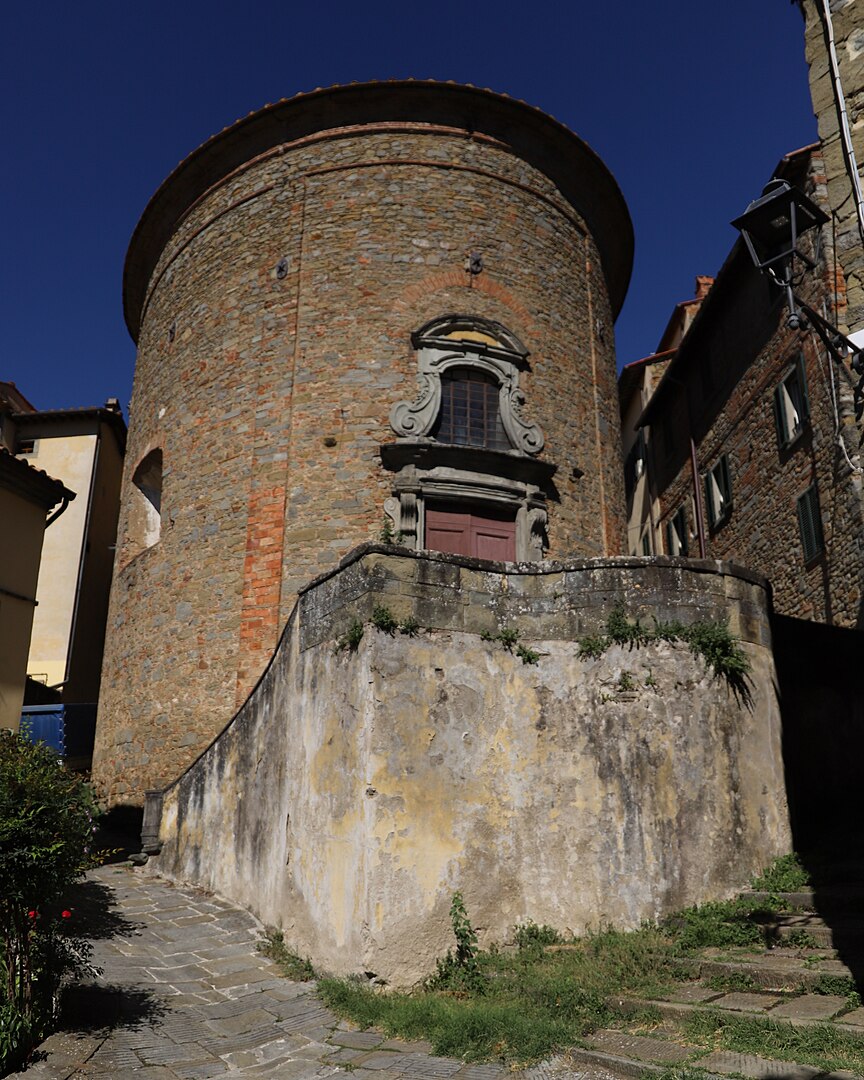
x=690, y=106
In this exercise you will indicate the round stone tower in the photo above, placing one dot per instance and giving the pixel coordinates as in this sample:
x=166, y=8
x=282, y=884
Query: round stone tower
x=370, y=312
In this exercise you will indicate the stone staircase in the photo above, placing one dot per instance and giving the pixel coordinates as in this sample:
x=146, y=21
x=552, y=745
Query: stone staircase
x=805, y=976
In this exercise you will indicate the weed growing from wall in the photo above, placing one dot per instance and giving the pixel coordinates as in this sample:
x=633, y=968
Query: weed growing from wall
x=297, y=968
x=351, y=639
x=508, y=636
x=713, y=641
x=384, y=620
x=460, y=968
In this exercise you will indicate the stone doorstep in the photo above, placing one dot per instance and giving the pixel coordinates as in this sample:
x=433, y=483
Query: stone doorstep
x=807, y=1015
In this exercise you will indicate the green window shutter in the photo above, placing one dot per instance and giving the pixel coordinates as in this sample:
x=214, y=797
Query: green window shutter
x=810, y=524
x=709, y=500
x=802, y=383
x=727, y=485
x=780, y=417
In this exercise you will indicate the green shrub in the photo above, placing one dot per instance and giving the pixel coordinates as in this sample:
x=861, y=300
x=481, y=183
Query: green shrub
x=785, y=874
x=46, y=828
x=529, y=935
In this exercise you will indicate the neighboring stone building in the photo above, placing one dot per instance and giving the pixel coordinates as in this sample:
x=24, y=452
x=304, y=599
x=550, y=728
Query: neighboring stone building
x=636, y=385
x=771, y=418
x=374, y=310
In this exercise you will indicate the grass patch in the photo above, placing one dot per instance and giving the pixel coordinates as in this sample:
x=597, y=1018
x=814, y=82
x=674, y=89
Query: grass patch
x=531, y=1003
x=522, y=1006
x=679, y=1072
x=528, y=935
x=821, y=1046
x=721, y=924
x=785, y=874
x=295, y=967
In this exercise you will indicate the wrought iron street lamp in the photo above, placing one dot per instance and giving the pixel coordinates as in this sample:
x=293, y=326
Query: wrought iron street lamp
x=772, y=226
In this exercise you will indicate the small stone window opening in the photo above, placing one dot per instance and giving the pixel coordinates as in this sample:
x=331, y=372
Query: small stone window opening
x=718, y=492
x=791, y=407
x=470, y=413
x=145, y=525
x=810, y=524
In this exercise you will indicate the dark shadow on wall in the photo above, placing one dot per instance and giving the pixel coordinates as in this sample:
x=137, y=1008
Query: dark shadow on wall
x=819, y=677
x=118, y=833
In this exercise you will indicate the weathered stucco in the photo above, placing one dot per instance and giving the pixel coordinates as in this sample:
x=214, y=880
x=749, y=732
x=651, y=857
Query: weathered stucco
x=356, y=791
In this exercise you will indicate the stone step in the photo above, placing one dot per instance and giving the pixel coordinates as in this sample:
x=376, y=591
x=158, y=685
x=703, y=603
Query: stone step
x=843, y=932
x=806, y=1010
x=638, y=1056
x=830, y=898
x=779, y=969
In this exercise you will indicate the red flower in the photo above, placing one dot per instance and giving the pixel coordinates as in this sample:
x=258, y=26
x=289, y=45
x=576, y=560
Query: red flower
x=32, y=914
x=65, y=914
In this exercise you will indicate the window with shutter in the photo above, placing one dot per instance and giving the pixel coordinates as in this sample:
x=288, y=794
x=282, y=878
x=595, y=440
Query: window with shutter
x=677, y=533
x=718, y=492
x=791, y=407
x=810, y=524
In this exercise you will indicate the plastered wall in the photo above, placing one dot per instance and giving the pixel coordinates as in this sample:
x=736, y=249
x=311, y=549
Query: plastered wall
x=357, y=790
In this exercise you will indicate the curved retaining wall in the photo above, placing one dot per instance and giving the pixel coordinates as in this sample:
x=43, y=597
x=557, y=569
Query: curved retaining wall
x=356, y=791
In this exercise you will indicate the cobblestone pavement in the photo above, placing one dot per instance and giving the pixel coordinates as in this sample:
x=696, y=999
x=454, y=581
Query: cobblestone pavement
x=184, y=994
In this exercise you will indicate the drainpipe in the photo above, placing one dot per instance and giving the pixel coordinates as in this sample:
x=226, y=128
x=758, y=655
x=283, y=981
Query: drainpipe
x=697, y=492
x=61, y=509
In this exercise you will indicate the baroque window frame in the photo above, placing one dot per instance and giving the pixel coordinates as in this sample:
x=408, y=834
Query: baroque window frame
x=428, y=470
x=438, y=352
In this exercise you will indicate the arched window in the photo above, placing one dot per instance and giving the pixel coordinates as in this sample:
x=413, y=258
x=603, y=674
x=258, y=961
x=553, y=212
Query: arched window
x=145, y=516
x=470, y=413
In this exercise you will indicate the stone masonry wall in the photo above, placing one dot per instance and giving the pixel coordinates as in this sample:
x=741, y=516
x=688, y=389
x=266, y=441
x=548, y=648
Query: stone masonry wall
x=847, y=17
x=356, y=791
x=745, y=350
x=268, y=392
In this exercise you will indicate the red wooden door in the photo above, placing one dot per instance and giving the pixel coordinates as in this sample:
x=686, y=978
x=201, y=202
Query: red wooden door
x=486, y=534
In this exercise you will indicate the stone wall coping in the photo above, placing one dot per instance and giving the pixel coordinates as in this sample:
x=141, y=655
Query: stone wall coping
x=539, y=139
x=720, y=567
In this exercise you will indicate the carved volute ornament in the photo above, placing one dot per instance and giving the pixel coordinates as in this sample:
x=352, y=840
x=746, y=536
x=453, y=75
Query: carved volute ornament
x=463, y=341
